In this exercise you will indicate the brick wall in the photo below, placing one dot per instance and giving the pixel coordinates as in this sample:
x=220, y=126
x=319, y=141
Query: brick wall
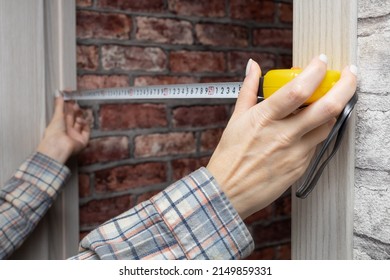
x=138, y=148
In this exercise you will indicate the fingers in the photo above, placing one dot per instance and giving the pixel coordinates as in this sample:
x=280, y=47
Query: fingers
x=79, y=123
x=328, y=107
x=77, y=119
x=69, y=115
x=74, y=116
x=59, y=107
x=248, y=93
x=86, y=132
x=288, y=98
x=319, y=134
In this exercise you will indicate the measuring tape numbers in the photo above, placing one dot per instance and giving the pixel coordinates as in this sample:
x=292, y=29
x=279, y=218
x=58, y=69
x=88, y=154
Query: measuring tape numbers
x=201, y=90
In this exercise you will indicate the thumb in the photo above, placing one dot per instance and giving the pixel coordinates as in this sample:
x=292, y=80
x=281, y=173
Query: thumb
x=59, y=107
x=248, y=93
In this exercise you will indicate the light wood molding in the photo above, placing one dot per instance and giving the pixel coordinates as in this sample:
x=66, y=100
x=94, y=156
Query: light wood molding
x=322, y=224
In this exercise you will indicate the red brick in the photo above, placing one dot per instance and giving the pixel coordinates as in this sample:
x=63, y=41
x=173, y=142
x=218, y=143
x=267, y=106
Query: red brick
x=210, y=138
x=268, y=253
x=84, y=185
x=164, y=144
x=183, y=167
x=283, y=206
x=83, y=234
x=130, y=177
x=127, y=116
x=163, y=80
x=202, y=8
x=284, y=252
x=220, y=79
x=96, y=212
x=84, y=3
x=271, y=37
x=133, y=58
x=260, y=11
x=187, y=61
x=274, y=232
x=285, y=61
x=88, y=114
x=145, y=196
x=105, y=149
x=196, y=116
x=101, y=81
x=237, y=61
x=87, y=57
x=286, y=12
x=102, y=25
x=167, y=31
x=222, y=35
x=264, y=214
x=132, y=5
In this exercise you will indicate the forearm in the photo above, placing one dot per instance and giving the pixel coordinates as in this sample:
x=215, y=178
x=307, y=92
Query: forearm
x=26, y=197
x=191, y=219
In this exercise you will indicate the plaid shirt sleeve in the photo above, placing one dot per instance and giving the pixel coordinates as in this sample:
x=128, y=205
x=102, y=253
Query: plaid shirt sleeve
x=26, y=197
x=191, y=219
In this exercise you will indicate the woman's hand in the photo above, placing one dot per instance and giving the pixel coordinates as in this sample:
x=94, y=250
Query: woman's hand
x=267, y=146
x=67, y=133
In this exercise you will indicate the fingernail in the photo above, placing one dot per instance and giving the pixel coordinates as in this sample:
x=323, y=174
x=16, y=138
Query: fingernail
x=57, y=93
x=248, y=66
x=353, y=68
x=323, y=58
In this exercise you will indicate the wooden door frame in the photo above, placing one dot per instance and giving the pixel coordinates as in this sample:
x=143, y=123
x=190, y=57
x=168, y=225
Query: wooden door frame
x=61, y=73
x=322, y=224
x=38, y=45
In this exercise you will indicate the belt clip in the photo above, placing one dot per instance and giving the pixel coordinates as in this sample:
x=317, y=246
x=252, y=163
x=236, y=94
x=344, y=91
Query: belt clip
x=338, y=129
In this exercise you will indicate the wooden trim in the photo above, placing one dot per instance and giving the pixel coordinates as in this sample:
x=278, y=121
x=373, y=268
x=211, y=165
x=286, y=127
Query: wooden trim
x=37, y=55
x=322, y=224
x=60, y=49
x=22, y=95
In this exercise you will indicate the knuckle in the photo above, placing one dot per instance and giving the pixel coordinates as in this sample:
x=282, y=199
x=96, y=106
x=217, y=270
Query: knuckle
x=285, y=139
x=296, y=93
x=263, y=117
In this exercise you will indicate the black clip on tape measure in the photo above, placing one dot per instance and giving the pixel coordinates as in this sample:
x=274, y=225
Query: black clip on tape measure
x=338, y=129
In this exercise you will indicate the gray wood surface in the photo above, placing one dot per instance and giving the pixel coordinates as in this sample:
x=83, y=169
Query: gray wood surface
x=37, y=54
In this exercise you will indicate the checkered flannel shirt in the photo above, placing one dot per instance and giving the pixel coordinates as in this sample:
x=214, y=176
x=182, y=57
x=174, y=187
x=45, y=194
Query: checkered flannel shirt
x=191, y=219
x=26, y=197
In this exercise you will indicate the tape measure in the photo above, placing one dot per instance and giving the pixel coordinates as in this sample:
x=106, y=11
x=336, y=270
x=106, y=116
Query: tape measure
x=201, y=90
x=271, y=82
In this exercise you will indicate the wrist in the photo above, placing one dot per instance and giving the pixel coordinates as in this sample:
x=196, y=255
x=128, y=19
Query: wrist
x=245, y=194
x=60, y=155
x=233, y=194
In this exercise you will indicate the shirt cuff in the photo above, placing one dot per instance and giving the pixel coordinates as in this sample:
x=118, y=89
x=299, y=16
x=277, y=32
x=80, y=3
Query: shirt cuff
x=44, y=172
x=202, y=219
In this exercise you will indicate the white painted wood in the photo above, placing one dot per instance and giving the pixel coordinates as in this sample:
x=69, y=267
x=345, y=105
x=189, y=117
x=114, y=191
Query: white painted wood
x=60, y=50
x=322, y=224
x=37, y=54
x=22, y=82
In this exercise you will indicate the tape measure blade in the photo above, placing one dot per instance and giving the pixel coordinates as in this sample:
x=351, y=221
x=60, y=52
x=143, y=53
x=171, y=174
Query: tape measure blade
x=176, y=91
